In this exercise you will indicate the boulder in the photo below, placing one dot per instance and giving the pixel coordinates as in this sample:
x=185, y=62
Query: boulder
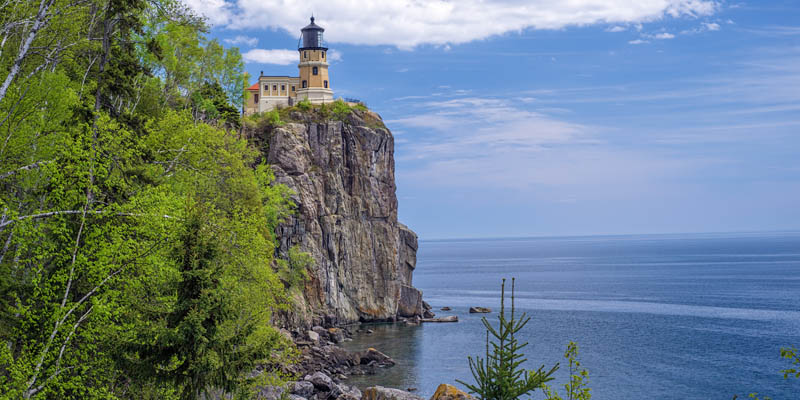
x=321, y=381
x=445, y=308
x=449, y=392
x=270, y=393
x=449, y=318
x=382, y=393
x=349, y=393
x=371, y=355
x=336, y=335
x=428, y=314
x=303, y=388
x=313, y=336
x=410, y=303
x=479, y=310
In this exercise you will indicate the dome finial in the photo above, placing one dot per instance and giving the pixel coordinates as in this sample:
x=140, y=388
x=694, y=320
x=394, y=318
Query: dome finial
x=312, y=18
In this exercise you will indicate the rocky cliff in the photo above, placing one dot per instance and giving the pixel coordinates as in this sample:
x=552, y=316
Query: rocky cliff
x=342, y=173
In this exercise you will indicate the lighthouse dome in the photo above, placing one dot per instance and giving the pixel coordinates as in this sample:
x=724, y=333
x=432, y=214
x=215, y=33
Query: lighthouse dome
x=311, y=37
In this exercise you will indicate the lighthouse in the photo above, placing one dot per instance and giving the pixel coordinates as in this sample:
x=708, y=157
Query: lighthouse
x=315, y=83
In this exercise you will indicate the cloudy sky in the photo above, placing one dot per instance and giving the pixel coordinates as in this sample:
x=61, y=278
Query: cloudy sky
x=562, y=117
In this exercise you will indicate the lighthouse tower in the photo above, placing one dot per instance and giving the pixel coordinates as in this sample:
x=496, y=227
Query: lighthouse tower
x=314, y=82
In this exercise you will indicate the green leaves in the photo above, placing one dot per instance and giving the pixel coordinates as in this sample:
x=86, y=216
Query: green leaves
x=576, y=388
x=499, y=375
x=792, y=355
x=130, y=219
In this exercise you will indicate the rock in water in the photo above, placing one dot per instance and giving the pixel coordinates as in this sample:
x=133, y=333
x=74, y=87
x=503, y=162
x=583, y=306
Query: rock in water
x=342, y=175
x=445, y=308
x=449, y=318
x=372, y=355
x=479, y=310
x=382, y=393
x=449, y=392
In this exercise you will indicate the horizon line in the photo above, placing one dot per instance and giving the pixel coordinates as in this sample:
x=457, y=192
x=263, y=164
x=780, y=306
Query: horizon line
x=610, y=235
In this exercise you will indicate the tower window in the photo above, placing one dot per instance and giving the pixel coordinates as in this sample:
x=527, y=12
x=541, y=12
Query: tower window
x=315, y=71
x=274, y=88
x=305, y=84
x=266, y=88
x=293, y=89
x=283, y=87
x=323, y=54
x=305, y=54
x=255, y=98
x=326, y=84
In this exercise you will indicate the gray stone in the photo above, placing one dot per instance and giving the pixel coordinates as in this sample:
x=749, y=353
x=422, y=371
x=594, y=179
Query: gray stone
x=382, y=393
x=303, y=388
x=372, y=355
x=321, y=381
x=449, y=318
x=313, y=336
x=479, y=310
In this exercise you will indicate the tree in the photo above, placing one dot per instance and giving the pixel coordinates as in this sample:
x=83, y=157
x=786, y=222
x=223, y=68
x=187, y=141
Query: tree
x=500, y=375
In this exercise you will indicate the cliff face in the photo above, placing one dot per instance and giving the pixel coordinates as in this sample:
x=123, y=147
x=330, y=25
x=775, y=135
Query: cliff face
x=342, y=173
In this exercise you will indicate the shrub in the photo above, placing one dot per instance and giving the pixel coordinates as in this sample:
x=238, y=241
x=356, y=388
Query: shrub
x=578, y=378
x=304, y=104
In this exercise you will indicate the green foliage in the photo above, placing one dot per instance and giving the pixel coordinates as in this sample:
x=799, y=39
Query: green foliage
x=791, y=355
x=340, y=109
x=577, y=388
x=304, y=105
x=136, y=238
x=294, y=270
x=499, y=376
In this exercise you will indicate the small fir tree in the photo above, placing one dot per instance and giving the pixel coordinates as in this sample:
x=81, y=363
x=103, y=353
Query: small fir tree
x=499, y=376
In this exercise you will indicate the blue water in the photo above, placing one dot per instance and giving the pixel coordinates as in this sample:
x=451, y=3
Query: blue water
x=655, y=317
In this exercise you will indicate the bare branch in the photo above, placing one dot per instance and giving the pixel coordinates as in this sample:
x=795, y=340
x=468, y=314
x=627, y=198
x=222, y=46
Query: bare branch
x=25, y=168
x=71, y=212
x=41, y=20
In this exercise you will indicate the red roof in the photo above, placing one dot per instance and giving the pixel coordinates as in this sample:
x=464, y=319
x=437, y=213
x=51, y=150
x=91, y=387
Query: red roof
x=254, y=87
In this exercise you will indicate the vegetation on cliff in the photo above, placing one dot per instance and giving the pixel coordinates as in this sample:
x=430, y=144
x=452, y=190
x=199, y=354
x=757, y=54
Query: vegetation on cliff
x=136, y=236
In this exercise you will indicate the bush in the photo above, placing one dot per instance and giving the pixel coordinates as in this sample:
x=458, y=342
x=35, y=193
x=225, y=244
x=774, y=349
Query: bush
x=304, y=104
x=578, y=377
x=340, y=109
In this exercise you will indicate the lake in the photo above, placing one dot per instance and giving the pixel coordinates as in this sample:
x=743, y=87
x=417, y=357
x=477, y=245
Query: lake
x=699, y=316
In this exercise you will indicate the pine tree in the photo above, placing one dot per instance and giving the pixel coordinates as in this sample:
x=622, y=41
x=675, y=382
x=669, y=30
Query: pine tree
x=499, y=376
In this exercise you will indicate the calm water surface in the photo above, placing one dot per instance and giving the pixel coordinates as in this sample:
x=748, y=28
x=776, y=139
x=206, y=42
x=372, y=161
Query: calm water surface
x=656, y=317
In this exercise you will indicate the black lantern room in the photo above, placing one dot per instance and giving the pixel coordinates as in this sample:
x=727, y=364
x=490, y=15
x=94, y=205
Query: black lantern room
x=311, y=37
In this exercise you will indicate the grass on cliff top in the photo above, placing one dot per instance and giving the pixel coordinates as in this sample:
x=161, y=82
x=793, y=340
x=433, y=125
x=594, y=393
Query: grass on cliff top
x=304, y=111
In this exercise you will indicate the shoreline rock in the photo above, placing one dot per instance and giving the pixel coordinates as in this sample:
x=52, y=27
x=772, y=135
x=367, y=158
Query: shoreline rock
x=479, y=310
x=449, y=318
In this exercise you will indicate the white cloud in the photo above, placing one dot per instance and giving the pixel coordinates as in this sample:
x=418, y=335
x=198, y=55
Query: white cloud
x=638, y=41
x=501, y=144
x=663, y=35
x=271, y=56
x=616, y=28
x=711, y=26
x=242, y=40
x=218, y=12
x=409, y=23
x=334, y=55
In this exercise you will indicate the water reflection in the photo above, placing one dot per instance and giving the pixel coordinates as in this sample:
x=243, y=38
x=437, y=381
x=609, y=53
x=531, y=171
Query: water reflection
x=399, y=341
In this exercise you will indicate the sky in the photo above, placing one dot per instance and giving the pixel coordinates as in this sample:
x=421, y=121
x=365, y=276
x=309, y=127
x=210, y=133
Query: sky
x=562, y=117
